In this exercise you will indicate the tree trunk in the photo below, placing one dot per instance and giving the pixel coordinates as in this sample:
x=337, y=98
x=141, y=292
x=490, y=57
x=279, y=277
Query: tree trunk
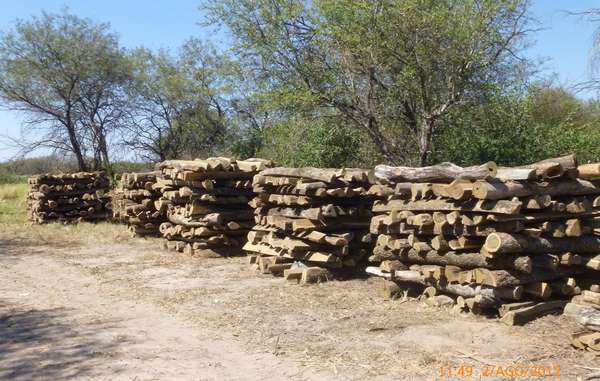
x=76, y=147
x=103, y=147
x=425, y=140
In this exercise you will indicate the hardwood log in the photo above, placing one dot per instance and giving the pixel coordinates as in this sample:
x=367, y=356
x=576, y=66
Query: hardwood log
x=528, y=313
x=317, y=174
x=507, y=278
x=463, y=260
x=487, y=190
x=504, y=243
x=470, y=291
x=554, y=167
x=444, y=172
x=480, y=206
x=587, y=316
x=508, y=174
x=589, y=171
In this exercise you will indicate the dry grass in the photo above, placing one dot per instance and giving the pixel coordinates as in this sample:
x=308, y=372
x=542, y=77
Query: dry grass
x=12, y=203
x=57, y=234
x=14, y=224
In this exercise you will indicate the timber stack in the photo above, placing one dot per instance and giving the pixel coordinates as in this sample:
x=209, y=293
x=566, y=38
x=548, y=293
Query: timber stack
x=82, y=196
x=515, y=242
x=310, y=222
x=206, y=204
x=134, y=203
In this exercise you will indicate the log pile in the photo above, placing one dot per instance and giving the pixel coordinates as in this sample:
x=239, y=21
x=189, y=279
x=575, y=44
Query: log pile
x=206, y=204
x=584, y=309
x=82, y=196
x=134, y=203
x=311, y=218
x=511, y=241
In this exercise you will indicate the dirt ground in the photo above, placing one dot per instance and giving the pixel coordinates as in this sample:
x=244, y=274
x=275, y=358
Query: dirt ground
x=130, y=311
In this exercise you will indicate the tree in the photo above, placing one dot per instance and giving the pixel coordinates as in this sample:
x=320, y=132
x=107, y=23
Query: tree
x=521, y=127
x=63, y=73
x=180, y=109
x=103, y=105
x=393, y=69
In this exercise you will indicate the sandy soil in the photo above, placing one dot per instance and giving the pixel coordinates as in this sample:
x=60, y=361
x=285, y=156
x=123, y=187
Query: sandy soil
x=130, y=311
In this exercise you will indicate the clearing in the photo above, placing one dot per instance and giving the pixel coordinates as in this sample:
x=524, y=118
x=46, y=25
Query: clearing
x=87, y=302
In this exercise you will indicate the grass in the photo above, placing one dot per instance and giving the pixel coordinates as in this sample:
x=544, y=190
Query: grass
x=12, y=203
x=15, y=226
x=10, y=178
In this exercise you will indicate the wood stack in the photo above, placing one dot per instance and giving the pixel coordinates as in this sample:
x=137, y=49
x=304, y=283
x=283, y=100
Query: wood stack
x=585, y=310
x=315, y=217
x=68, y=197
x=134, y=203
x=514, y=241
x=206, y=204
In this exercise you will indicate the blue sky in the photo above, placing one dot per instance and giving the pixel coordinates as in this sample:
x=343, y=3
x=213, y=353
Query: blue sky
x=564, y=42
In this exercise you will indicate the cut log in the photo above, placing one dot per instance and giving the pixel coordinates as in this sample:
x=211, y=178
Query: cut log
x=591, y=297
x=554, y=167
x=507, y=278
x=444, y=172
x=587, y=316
x=526, y=314
x=310, y=173
x=315, y=275
x=589, y=171
x=470, y=291
x=509, y=174
x=504, y=243
x=586, y=340
x=486, y=190
x=540, y=290
x=390, y=290
x=463, y=260
x=481, y=206
x=591, y=262
x=507, y=307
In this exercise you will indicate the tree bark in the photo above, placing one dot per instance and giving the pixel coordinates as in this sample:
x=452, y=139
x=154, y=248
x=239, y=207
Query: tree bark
x=425, y=140
x=75, y=146
x=463, y=260
x=504, y=243
x=443, y=173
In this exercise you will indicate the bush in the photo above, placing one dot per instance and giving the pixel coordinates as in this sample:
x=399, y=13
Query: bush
x=318, y=143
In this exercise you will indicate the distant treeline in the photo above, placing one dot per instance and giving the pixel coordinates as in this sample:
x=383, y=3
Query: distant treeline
x=16, y=171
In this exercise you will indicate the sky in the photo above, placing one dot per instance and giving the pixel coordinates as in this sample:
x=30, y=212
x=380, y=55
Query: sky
x=563, y=43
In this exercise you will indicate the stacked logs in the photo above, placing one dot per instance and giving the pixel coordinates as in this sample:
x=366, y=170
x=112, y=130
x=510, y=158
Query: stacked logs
x=513, y=241
x=206, y=204
x=79, y=196
x=134, y=203
x=316, y=219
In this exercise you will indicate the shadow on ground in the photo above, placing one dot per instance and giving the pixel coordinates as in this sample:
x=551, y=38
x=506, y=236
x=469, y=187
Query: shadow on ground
x=41, y=344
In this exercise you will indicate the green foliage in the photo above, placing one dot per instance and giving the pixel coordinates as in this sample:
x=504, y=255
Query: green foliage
x=519, y=129
x=17, y=171
x=11, y=178
x=326, y=83
x=12, y=203
x=391, y=69
x=64, y=73
x=321, y=143
x=179, y=108
x=131, y=166
x=498, y=130
x=37, y=165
